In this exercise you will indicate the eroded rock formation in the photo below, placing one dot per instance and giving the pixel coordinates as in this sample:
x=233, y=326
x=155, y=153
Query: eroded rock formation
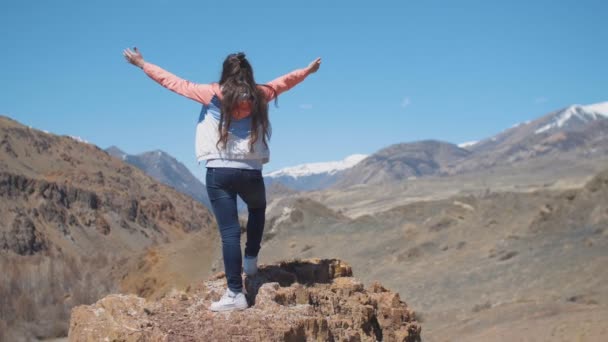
x=305, y=300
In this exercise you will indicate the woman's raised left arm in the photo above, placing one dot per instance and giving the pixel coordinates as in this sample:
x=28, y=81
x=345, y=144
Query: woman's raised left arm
x=202, y=93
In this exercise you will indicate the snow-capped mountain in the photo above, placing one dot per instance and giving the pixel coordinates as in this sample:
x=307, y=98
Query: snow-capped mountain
x=573, y=132
x=574, y=116
x=575, y=129
x=316, y=168
x=313, y=176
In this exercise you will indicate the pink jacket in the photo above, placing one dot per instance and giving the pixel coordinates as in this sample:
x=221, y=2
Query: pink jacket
x=207, y=136
x=204, y=93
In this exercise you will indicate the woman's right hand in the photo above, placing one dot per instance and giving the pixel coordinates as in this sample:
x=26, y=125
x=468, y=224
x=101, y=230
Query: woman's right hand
x=314, y=65
x=134, y=57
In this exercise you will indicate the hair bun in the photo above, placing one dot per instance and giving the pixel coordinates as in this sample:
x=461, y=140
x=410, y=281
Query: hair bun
x=237, y=58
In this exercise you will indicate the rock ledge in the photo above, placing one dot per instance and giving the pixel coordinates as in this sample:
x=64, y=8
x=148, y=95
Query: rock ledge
x=301, y=300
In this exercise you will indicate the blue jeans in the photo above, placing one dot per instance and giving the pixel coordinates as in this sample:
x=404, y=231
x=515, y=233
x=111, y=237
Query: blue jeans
x=223, y=185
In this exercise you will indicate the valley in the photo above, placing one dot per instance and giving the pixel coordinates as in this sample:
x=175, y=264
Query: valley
x=503, y=239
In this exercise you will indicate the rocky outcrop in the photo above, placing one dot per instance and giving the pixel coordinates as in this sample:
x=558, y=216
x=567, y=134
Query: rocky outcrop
x=23, y=238
x=33, y=204
x=304, y=300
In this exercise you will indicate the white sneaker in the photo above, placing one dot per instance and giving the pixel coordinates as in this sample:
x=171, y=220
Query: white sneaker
x=250, y=265
x=230, y=301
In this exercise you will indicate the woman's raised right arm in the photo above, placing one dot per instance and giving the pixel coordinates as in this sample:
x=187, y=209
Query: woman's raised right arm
x=282, y=84
x=202, y=93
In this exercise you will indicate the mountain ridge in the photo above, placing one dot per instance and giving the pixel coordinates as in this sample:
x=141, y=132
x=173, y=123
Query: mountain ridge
x=570, y=129
x=312, y=176
x=166, y=169
x=401, y=161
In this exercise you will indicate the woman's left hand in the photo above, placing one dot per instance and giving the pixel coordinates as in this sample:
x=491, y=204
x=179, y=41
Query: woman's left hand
x=134, y=57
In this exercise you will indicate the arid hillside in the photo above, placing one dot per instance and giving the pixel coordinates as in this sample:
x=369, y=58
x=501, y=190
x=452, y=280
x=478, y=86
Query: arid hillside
x=484, y=266
x=77, y=224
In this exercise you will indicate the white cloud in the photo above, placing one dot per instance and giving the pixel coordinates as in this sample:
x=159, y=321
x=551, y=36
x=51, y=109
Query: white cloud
x=306, y=106
x=405, y=102
x=540, y=99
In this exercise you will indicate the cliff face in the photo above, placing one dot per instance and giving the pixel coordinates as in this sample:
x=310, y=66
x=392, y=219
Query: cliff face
x=307, y=300
x=76, y=224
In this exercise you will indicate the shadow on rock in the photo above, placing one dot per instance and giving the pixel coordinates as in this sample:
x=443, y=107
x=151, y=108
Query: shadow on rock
x=304, y=272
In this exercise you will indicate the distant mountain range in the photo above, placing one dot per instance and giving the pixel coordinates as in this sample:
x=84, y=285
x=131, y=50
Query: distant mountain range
x=402, y=161
x=490, y=234
x=576, y=129
x=312, y=176
x=167, y=170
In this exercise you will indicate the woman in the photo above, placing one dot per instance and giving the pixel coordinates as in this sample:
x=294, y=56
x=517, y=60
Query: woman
x=232, y=138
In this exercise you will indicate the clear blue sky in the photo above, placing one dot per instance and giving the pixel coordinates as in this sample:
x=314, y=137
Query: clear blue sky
x=393, y=71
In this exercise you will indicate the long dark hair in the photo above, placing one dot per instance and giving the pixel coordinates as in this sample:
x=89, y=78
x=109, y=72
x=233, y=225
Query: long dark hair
x=237, y=85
